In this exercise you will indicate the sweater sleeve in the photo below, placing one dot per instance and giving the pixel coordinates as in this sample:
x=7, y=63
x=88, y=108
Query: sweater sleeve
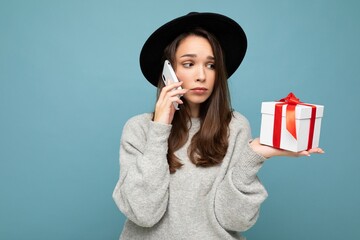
x=240, y=194
x=142, y=190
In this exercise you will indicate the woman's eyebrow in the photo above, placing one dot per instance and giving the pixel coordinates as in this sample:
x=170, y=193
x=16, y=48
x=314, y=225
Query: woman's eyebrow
x=194, y=56
x=188, y=55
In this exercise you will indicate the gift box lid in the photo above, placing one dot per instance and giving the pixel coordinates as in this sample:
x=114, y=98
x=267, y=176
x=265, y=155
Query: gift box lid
x=301, y=111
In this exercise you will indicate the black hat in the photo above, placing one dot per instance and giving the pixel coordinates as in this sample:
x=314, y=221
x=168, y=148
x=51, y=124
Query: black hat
x=229, y=34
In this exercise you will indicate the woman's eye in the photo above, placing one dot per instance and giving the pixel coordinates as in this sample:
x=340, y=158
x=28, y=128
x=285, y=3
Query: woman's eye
x=211, y=65
x=187, y=65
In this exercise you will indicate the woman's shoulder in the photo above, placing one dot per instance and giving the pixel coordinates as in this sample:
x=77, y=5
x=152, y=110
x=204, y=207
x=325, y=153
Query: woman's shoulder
x=239, y=124
x=238, y=118
x=138, y=122
x=140, y=118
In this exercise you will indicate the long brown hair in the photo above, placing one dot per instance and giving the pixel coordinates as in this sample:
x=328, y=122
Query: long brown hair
x=209, y=145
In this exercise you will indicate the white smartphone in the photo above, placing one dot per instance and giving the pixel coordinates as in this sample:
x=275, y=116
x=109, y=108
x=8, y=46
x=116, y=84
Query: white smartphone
x=169, y=76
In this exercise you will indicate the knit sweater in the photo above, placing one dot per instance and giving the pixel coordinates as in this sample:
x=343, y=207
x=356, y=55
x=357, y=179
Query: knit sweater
x=210, y=203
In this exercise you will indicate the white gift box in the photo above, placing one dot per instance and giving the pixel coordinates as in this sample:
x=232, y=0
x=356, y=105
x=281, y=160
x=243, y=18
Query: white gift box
x=287, y=140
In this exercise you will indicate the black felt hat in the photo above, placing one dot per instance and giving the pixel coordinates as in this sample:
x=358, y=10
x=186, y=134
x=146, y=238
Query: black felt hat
x=229, y=34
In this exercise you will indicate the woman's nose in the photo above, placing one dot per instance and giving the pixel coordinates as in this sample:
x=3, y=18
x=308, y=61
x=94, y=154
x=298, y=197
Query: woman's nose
x=201, y=76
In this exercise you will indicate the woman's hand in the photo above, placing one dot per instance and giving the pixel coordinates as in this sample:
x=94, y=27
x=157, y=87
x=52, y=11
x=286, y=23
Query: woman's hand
x=269, y=152
x=164, y=109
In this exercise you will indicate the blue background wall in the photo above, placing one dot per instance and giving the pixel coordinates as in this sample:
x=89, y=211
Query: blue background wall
x=70, y=78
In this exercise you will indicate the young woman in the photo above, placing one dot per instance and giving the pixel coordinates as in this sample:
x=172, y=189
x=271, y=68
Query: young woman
x=192, y=173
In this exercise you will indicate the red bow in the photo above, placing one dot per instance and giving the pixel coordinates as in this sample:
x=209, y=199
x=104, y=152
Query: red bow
x=291, y=100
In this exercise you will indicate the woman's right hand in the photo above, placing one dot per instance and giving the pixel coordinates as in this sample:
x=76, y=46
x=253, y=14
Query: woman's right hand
x=164, y=109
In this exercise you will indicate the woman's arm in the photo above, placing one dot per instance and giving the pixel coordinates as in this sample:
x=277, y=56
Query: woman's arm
x=142, y=190
x=240, y=194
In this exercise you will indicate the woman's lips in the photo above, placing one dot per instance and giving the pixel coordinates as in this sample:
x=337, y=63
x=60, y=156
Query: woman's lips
x=199, y=90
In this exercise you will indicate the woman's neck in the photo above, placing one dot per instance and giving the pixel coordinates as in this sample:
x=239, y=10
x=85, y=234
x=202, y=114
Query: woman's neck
x=194, y=110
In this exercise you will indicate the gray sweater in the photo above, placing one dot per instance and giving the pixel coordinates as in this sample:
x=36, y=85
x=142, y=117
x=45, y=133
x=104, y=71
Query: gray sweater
x=196, y=203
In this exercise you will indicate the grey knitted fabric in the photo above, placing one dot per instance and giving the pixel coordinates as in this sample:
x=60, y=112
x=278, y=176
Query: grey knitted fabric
x=196, y=203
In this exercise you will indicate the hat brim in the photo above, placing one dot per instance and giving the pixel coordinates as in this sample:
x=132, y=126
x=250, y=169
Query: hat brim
x=230, y=35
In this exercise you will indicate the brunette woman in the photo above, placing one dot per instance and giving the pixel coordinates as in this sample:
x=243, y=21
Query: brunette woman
x=192, y=173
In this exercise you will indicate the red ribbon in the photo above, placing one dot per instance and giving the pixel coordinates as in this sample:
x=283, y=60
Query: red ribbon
x=291, y=100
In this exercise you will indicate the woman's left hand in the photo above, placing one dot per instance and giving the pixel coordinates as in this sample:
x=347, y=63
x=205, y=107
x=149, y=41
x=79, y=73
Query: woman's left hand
x=268, y=152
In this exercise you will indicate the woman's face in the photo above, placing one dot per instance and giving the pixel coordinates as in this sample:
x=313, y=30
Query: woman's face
x=195, y=67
